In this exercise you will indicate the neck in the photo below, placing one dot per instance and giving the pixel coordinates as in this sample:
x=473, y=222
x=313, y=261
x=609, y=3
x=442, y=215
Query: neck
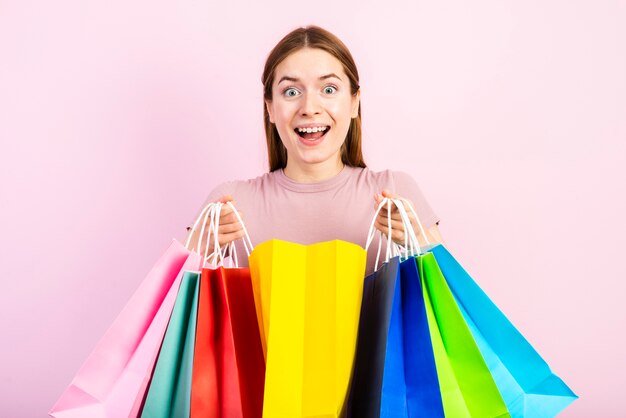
x=313, y=173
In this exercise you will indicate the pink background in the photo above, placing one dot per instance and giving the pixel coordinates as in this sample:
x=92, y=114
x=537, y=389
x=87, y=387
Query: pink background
x=117, y=118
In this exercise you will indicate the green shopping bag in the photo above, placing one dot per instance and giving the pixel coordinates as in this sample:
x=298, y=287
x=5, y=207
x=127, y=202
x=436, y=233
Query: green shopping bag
x=467, y=387
x=169, y=394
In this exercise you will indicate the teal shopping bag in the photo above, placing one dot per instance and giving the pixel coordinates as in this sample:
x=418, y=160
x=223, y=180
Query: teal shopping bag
x=529, y=388
x=169, y=393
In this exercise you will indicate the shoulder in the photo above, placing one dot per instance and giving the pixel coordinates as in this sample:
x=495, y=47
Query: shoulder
x=402, y=179
x=391, y=179
x=239, y=187
x=399, y=182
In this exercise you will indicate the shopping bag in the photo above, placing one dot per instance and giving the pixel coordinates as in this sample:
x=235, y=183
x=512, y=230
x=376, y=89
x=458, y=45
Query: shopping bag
x=205, y=398
x=169, y=393
x=380, y=290
x=528, y=386
x=108, y=382
x=423, y=395
x=394, y=372
x=243, y=371
x=113, y=380
x=229, y=367
x=308, y=299
x=467, y=387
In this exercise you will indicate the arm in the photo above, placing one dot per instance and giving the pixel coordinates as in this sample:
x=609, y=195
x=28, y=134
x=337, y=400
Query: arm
x=434, y=235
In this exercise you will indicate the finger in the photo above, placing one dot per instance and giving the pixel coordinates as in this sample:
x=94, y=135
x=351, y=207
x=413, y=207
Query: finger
x=225, y=209
x=377, y=199
x=229, y=228
x=394, y=207
x=390, y=195
x=398, y=224
x=395, y=225
x=230, y=218
x=405, y=204
x=396, y=235
x=203, y=248
x=402, y=200
x=395, y=216
x=226, y=198
x=230, y=237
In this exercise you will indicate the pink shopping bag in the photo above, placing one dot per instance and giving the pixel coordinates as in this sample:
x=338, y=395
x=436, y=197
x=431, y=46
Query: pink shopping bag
x=114, y=377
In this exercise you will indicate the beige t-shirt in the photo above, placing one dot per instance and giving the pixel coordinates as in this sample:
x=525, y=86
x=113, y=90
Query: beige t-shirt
x=342, y=207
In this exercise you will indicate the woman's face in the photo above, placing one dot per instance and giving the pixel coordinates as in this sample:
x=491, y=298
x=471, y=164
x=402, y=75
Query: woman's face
x=310, y=90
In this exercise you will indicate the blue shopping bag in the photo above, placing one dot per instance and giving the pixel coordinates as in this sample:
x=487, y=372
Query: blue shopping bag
x=528, y=386
x=423, y=392
x=395, y=373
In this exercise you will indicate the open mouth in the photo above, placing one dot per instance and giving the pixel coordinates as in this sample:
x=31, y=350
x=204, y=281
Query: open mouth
x=315, y=133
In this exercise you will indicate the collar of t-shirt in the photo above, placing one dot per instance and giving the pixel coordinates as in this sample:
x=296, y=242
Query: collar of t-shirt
x=320, y=186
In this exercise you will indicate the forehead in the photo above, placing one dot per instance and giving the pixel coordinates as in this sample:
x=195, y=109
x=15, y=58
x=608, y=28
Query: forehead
x=309, y=64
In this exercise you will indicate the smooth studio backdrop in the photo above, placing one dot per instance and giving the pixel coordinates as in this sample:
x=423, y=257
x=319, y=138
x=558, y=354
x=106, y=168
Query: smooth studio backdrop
x=117, y=118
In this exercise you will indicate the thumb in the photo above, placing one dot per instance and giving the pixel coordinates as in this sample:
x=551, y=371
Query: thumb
x=387, y=193
x=226, y=198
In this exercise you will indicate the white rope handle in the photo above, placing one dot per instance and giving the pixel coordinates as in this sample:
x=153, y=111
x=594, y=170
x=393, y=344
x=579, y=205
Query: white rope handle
x=210, y=217
x=372, y=232
x=417, y=219
x=231, y=248
x=388, y=250
x=393, y=249
x=407, y=241
x=411, y=243
x=205, y=211
x=247, y=242
x=409, y=234
x=217, y=249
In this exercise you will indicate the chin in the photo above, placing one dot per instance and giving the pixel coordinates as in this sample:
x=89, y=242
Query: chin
x=317, y=158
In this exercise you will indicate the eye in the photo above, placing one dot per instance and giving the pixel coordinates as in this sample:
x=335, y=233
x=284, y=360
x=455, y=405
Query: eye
x=290, y=92
x=330, y=89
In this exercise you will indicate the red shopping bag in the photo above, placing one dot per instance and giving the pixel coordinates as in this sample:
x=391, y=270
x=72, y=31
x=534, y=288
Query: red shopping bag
x=229, y=366
x=204, y=384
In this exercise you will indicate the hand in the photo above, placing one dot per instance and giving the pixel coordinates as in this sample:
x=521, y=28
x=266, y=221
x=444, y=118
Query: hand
x=397, y=226
x=229, y=229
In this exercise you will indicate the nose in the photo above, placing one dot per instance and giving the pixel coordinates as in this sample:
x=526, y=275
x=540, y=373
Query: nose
x=310, y=104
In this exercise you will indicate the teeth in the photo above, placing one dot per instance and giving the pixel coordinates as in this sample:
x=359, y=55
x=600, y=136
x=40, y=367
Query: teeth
x=310, y=130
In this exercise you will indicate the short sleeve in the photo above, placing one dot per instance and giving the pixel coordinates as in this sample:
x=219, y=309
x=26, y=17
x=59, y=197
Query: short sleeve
x=226, y=188
x=406, y=187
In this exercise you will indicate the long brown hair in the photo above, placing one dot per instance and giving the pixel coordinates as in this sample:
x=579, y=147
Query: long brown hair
x=312, y=37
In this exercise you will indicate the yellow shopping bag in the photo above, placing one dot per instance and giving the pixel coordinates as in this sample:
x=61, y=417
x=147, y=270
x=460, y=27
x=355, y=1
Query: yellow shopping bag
x=308, y=301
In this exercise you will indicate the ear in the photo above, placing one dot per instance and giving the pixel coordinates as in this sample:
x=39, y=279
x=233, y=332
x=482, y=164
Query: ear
x=356, y=101
x=270, y=111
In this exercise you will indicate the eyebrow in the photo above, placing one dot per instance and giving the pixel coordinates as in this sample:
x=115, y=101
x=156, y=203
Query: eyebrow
x=294, y=79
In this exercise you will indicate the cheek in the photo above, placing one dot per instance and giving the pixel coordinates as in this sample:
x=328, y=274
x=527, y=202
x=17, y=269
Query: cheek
x=341, y=109
x=285, y=113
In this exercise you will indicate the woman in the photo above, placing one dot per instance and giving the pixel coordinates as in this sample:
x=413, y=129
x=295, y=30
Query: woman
x=318, y=187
